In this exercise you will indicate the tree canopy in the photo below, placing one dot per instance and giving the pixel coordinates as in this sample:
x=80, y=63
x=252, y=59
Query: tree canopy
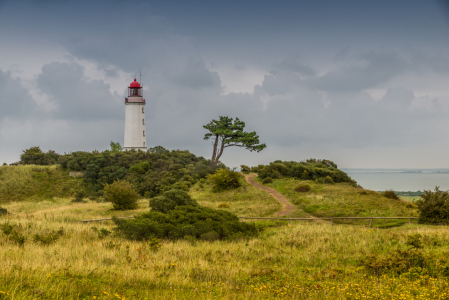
x=227, y=132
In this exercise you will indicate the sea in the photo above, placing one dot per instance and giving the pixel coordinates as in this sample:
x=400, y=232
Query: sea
x=403, y=180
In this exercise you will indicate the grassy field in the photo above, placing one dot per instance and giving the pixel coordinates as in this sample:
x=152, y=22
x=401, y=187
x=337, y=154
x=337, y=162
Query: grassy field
x=32, y=182
x=301, y=261
x=246, y=201
x=47, y=253
x=343, y=200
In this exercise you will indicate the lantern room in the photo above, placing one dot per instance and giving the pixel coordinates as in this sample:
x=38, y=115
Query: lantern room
x=134, y=89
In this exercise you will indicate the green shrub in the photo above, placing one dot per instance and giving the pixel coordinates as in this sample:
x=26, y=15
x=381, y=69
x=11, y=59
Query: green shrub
x=434, y=207
x=48, y=237
x=390, y=195
x=170, y=199
x=303, y=188
x=267, y=180
x=397, y=262
x=245, y=169
x=3, y=211
x=122, y=195
x=311, y=169
x=194, y=221
x=224, y=179
x=223, y=205
x=79, y=195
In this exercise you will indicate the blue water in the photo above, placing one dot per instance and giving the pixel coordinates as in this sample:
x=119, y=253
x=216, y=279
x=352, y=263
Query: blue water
x=397, y=180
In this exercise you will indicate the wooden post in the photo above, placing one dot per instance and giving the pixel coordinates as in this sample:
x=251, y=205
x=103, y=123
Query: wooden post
x=288, y=222
x=332, y=222
x=371, y=223
x=410, y=221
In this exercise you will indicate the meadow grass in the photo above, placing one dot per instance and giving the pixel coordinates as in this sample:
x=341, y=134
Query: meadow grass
x=344, y=200
x=306, y=260
x=32, y=182
x=245, y=201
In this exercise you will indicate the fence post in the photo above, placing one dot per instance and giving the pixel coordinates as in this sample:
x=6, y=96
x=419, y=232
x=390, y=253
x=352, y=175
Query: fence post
x=371, y=223
x=332, y=222
x=410, y=221
x=288, y=222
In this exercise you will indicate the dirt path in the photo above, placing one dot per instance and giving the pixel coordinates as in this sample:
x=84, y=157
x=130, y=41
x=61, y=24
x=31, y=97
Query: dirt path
x=286, y=209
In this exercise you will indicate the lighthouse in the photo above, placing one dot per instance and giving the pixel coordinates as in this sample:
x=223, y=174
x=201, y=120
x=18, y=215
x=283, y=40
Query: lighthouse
x=135, y=136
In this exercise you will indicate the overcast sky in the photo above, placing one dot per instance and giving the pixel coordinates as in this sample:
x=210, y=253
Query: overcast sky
x=362, y=83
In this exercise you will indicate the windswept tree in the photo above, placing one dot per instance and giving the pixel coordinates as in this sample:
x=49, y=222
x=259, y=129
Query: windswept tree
x=228, y=133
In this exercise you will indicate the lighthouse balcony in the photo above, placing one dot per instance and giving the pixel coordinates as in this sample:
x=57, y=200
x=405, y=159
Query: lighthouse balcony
x=134, y=100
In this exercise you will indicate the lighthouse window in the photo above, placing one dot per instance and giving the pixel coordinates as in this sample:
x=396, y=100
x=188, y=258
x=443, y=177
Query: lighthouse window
x=144, y=133
x=143, y=121
x=142, y=110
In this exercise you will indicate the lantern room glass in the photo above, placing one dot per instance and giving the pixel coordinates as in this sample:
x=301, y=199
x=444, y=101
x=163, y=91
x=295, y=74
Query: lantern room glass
x=134, y=92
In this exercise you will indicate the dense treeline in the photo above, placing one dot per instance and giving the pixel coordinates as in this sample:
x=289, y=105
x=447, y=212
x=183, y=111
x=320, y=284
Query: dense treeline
x=312, y=169
x=151, y=172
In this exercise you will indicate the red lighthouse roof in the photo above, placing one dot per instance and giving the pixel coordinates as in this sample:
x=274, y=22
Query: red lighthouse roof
x=134, y=84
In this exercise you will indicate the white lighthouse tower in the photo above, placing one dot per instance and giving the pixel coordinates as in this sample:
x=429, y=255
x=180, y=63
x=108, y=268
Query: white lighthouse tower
x=135, y=137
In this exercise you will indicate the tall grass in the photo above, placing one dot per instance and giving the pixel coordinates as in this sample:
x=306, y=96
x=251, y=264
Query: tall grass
x=302, y=261
x=18, y=183
x=245, y=201
x=344, y=200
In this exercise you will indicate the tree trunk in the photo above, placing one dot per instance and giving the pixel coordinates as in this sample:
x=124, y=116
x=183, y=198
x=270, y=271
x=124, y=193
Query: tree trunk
x=214, y=159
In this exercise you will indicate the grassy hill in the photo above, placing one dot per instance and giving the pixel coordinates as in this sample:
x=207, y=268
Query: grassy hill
x=245, y=201
x=30, y=182
x=343, y=200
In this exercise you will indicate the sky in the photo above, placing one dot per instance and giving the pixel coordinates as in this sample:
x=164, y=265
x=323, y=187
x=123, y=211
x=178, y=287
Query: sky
x=362, y=83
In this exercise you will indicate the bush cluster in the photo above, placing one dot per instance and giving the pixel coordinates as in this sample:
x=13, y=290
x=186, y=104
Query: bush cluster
x=390, y=195
x=245, y=169
x=3, y=211
x=302, y=188
x=151, y=172
x=35, y=156
x=323, y=171
x=434, y=207
x=267, y=180
x=224, y=179
x=122, y=195
x=171, y=199
x=193, y=222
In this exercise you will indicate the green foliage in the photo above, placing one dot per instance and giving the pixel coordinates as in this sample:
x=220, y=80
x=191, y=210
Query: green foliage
x=434, y=207
x=224, y=179
x=122, y=195
x=35, y=156
x=223, y=205
x=390, y=195
x=80, y=194
x=267, y=180
x=196, y=221
x=415, y=241
x=322, y=171
x=116, y=147
x=151, y=172
x=245, y=169
x=169, y=200
x=48, y=237
x=3, y=211
x=303, y=188
x=397, y=262
x=102, y=233
x=230, y=133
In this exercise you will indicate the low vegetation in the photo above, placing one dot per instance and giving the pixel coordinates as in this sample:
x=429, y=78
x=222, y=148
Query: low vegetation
x=306, y=260
x=245, y=201
x=320, y=170
x=434, y=207
x=224, y=179
x=121, y=194
x=36, y=183
x=343, y=200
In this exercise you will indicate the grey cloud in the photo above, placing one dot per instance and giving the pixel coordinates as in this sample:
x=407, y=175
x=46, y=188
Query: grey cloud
x=378, y=68
x=15, y=100
x=75, y=96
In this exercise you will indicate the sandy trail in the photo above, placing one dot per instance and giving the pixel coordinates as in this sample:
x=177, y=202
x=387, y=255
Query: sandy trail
x=286, y=209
